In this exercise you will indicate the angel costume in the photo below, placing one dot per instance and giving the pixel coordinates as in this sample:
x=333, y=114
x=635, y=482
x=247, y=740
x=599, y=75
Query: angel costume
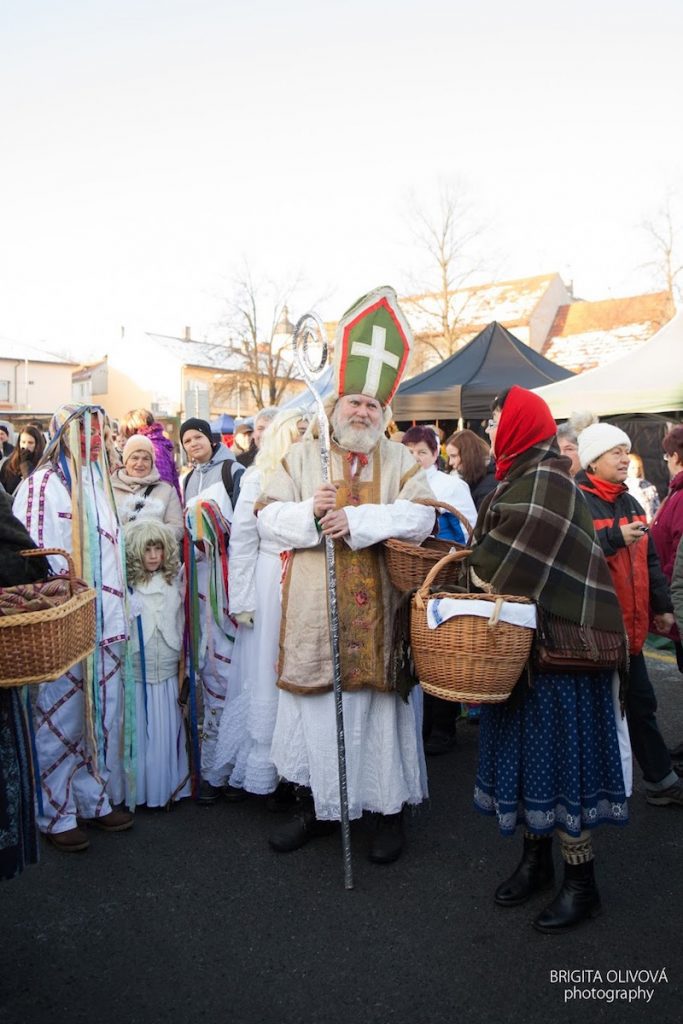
x=246, y=729
x=158, y=621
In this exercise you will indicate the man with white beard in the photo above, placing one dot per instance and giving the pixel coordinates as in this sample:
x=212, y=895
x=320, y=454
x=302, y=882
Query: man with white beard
x=372, y=496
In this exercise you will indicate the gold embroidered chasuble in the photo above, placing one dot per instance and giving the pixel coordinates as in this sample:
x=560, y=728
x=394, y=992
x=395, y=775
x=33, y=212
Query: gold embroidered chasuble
x=365, y=597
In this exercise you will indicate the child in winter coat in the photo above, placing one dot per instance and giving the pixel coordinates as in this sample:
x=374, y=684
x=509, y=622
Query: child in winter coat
x=156, y=604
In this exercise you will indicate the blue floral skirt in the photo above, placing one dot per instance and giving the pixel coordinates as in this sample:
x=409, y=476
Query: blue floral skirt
x=549, y=758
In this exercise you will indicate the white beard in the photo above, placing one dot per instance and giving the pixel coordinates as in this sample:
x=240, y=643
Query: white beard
x=355, y=439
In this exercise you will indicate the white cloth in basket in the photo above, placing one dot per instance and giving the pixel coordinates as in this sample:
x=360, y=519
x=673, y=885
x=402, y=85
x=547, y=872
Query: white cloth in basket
x=439, y=609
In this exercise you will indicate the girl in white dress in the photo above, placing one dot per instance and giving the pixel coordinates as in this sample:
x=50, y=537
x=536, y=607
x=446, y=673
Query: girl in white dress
x=246, y=728
x=157, y=624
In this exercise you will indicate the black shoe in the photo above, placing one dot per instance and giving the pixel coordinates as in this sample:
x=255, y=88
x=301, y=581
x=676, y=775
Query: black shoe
x=208, y=794
x=440, y=742
x=578, y=900
x=673, y=796
x=284, y=798
x=386, y=844
x=234, y=794
x=299, y=830
x=534, y=872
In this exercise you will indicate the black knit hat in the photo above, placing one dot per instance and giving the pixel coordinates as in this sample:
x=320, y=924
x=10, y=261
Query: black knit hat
x=195, y=424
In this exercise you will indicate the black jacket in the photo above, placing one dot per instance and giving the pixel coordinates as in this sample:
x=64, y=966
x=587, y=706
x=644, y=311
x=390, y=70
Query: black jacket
x=14, y=537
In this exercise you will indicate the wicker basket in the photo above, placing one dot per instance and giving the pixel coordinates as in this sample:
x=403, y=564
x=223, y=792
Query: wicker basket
x=467, y=658
x=408, y=564
x=39, y=646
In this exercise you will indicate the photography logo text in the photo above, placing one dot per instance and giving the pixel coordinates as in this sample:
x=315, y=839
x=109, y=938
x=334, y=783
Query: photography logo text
x=625, y=984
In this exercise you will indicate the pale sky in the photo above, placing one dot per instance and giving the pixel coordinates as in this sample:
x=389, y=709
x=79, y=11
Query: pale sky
x=149, y=146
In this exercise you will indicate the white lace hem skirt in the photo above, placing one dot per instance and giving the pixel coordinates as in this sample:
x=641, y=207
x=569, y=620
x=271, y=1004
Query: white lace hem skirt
x=384, y=754
x=245, y=733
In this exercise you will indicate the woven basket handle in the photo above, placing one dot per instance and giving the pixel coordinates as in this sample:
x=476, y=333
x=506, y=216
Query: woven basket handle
x=495, y=614
x=422, y=594
x=34, y=552
x=469, y=530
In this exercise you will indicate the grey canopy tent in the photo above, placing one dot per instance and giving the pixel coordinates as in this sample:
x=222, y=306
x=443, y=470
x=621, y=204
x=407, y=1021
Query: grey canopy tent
x=465, y=384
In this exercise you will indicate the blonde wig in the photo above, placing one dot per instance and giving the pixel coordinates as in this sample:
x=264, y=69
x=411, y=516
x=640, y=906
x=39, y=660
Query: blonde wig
x=134, y=421
x=139, y=535
x=282, y=432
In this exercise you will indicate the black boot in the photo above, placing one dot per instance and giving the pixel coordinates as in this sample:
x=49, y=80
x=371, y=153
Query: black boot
x=440, y=735
x=208, y=794
x=440, y=742
x=302, y=827
x=283, y=799
x=578, y=900
x=387, y=840
x=534, y=872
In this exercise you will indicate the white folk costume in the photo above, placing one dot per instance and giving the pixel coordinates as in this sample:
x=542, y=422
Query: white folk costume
x=157, y=626
x=212, y=631
x=46, y=503
x=210, y=624
x=246, y=729
x=385, y=762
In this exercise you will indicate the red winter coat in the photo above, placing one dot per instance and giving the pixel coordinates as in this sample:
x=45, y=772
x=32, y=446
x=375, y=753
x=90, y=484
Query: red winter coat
x=636, y=573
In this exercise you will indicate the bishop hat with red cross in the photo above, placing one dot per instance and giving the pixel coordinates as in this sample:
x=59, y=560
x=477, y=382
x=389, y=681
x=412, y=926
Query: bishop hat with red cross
x=372, y=346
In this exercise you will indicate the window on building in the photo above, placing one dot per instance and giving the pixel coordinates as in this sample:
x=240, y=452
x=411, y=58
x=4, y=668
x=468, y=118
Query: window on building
x=81, y=390
x=4, y=390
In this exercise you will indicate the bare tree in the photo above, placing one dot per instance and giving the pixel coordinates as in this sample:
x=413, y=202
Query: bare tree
x=445, y=233
x=664, y=233
x=259, y=335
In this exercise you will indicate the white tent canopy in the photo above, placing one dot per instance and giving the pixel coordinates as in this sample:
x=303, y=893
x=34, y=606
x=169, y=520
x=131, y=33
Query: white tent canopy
x=648, y=380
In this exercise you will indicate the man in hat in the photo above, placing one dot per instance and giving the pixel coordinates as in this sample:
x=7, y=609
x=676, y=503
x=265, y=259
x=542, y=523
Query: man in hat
x=243, y=438
x=372, y=497
x=68, y=503
x=260, y=423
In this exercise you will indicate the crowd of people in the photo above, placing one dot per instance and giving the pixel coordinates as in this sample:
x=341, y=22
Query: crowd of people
x=212, y=674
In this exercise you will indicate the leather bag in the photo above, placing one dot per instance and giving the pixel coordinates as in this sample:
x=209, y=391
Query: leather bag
x=562, y=646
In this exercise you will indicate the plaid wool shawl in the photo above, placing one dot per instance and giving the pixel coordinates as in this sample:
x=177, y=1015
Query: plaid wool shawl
x=535, y=538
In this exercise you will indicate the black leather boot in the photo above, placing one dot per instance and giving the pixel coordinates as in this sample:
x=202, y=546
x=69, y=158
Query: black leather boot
x=284, y=798
x=578, y=900
x=439, y=725
x=302, y=827
x=387, y=840
x=534, y=872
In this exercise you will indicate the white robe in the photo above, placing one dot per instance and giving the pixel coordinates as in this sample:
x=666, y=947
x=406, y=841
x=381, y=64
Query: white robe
x=385, y=759
x=70, y=784
x=246, y=729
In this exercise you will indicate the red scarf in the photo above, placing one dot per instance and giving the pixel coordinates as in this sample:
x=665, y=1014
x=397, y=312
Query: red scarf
x=604, y=489
x=524, y=422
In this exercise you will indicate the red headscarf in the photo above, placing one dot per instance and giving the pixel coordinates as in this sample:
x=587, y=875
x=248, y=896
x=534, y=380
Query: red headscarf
x=524, y=422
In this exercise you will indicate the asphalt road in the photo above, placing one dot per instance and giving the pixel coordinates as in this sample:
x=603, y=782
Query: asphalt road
x=190, y=917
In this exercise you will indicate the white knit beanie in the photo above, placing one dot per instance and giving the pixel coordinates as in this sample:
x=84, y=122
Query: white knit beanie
x=597, y=439
x=137, y=443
